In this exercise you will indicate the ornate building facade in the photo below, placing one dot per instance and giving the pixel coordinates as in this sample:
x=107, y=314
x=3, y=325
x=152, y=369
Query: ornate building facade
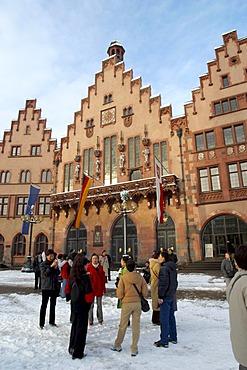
x=117, y=132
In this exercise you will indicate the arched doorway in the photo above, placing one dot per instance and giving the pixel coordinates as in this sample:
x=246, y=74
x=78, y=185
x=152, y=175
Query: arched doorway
x=117, y=249
x=166, y=236
x=220, y=229
x=77, y=238
x=40, y=244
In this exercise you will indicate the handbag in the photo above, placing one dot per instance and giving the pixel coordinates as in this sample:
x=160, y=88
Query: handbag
x=144, y=302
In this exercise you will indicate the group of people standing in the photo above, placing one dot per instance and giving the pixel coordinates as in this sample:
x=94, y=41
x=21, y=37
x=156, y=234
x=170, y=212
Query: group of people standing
x=83, y=281
x=86, y=282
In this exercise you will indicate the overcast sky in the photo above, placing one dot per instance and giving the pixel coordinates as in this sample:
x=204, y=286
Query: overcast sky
x=51, y=49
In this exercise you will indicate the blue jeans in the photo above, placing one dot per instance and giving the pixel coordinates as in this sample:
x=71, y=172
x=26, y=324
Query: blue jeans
x=167, y=321
x=63, y=294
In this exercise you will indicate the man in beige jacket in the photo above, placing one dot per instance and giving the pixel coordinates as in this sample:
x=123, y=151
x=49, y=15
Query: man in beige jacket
x=131, y=306
x=237, y=298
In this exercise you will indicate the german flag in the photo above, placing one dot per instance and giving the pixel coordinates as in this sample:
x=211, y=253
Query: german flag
x=84, y=191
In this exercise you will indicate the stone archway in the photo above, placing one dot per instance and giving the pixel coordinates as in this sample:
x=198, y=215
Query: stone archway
x=118, y=240
x=220, y=229
x=76, y=238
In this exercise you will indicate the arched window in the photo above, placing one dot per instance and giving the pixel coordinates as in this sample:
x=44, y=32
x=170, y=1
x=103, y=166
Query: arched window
x=77, y=238
x=5, y=177
x=117, y=248
x=166, y=233
x=28, y=130
x=220, y=229
x=25, y=176
x=41, y=243
x=46, y=176
x=19, y=245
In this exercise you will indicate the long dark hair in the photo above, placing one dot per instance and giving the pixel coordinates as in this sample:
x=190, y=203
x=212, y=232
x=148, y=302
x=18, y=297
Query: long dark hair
x=78, y=268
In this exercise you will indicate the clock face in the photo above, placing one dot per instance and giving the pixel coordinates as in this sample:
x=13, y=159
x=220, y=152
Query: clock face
x=108, y=116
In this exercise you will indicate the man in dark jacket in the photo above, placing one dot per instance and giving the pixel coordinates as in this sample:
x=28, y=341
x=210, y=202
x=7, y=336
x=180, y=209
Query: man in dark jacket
x=228, y=269
x=36, y=268
x=49, y=285
x=167, y=287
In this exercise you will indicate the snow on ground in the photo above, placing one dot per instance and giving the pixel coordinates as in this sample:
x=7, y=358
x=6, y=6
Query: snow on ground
x=203, y=333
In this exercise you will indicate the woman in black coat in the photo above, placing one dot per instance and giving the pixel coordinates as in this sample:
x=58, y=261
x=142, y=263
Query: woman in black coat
x=81, y=300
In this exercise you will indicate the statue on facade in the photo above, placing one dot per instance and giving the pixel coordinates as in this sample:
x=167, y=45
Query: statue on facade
x=121, y=160
x=77, y=171
x=97, y=165
x=146, y=153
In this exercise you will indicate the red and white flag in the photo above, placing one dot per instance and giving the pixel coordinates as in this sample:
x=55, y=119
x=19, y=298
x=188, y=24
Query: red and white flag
x=159, y=192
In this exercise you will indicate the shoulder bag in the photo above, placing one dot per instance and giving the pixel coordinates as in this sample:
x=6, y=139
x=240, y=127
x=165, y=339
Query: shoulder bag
x=144, y=301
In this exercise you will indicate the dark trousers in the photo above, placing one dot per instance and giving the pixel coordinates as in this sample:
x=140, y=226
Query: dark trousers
x=156, y=317
x=78, y=333
x=37, y=278
x=46, y=294
x=167, y=321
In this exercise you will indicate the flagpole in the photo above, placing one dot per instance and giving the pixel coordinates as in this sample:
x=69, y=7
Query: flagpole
x=161, y=164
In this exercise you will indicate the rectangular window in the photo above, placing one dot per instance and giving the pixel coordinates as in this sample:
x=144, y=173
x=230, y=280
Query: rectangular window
x=228, y=138
x=203, y=174
x=110, y=160
x=134, y=151
x=3, y=206
x=205, y=142
x=243, y=168
x=215, y=178
x=238, y=137
x=21, y=205
x=199, y=142
x=210, y=139
x=88, y=161
x=68, y=176
x=209, y=179
x=160, y=152
x=233, y=104
x=233, y=174
x=225, y=81
x=16, y=151
x=35, y=150
x=44, y=206
x=217, y=109
x=239, y=133
x=225, y=106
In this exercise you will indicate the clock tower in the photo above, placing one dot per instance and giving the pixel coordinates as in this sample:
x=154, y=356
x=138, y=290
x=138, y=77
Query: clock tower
x=117, y=49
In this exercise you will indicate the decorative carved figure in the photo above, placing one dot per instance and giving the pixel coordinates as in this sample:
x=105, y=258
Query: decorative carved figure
x=77, y=171
x=121, y=160
x=146, y=153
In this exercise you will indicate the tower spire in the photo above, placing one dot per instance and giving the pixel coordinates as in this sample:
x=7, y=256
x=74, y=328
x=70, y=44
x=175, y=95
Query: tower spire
x=117, y=49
